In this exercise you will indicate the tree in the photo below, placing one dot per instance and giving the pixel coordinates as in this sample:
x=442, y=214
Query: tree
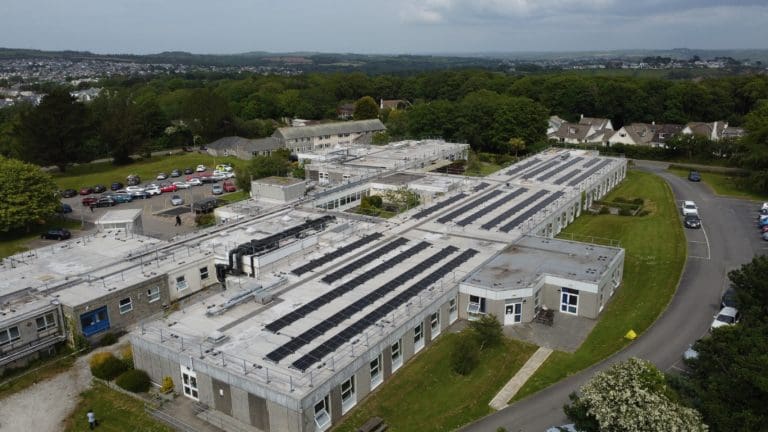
x=465, y=354
x=631, y=396
x=366, y=108
x=516, y=145
x=402, y=198
x=29, y=195
x=55, y=132
x=122, y=128
x=487, y=330
x=276, y=164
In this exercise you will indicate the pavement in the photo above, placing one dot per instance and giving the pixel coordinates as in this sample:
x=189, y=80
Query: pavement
x=728, y=239
x=513, y=386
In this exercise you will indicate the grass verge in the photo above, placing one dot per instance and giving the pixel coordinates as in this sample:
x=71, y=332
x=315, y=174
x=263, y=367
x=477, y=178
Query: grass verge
x=426, y=395
x=655, y=255
x=115, y=412
x=15, y=242
x=723, y=184
x=35, y=372
x=485, y=169
x=234, y=197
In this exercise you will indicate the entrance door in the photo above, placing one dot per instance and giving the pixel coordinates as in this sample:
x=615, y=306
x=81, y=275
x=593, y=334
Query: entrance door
x=189, y=383
x=513, y=313
x=569, y=301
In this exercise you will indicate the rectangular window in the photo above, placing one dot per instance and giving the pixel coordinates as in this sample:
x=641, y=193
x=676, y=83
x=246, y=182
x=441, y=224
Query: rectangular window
x=8, y=335
x=348, y=399
x=453, y=313
x=418, y=338
x=126, y=305
x=204, y=273
x=181, y=283
x=476, y=305
x=153, y=294
x=434, y=321
x=94, y=321
x=45, y=322
x=322, y=413
x=376, y=376
x=569, y=301
x=397, y=355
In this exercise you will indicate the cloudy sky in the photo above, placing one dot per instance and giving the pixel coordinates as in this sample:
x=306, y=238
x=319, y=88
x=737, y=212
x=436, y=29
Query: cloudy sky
x=381, y=26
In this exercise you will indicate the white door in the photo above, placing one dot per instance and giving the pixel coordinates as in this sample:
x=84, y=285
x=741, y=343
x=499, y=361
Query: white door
x=189, y=383
x=513, y=313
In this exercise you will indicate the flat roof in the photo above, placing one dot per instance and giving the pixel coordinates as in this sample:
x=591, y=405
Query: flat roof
x=281, y=181
x=399, y=179
x=120, y=216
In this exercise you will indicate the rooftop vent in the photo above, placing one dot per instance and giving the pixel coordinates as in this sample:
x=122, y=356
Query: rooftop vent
x=217, y=337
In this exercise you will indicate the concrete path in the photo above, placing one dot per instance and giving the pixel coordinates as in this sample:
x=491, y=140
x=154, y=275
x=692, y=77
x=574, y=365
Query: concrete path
x=513, y=386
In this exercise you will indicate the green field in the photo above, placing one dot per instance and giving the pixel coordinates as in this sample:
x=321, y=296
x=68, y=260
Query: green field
x=723, y=184
x=655, y=255
x=426, y=395
x=14, y=242
x=115, y=412
x=105, y=173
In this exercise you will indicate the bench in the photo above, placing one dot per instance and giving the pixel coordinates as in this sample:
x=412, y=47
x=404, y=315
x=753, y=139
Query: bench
x=374, y=424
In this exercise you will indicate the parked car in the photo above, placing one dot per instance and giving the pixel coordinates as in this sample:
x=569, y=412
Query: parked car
x=132, y=189
x=168, y=187
x=132, y=180
x=692, y=221
x=229, y=186
x=162, y=176
x=65, y=208
x=176, y=173
x=106, y=201
x=694, y=176
x=729, y=298
x=177, y=200
x=765, y=236
x=689, y=208
x=68, y=193
x=762, y=222
x=122, y=197
x=86, y=191
x=194, y=181
x=224, y=167
x=187, y=149
x=205, y=205
x=217, y=189
x=140, y=195
x=99, y=188
x=153, y=189
x=89, y=201
x=181, y=185
x=188, y=170
x=223, y=174
x=764, y=229
x=200, y=168
x=56, y=234
x=116, y=186
x=726, y=316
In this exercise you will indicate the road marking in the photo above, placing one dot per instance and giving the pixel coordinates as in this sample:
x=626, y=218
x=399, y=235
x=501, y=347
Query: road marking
x=709, y=252
x=695, y=241
x=677, y=368
x=698, y=257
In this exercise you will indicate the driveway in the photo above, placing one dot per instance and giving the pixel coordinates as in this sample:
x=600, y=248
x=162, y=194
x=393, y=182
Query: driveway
x=729, y=238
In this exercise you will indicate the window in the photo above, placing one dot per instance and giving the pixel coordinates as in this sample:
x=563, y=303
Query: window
x=569, y=301
x=94, y=321
x=434, y=321
x=348, y=394
x=204, y=273
x=45, y=322
x=126, y=305
x=397, y=354
x=513, y=312
x=189, y=383
x=476, y=305
x=9, y=335
x=322, y=414
x=181, y=283
x=418, y=337
x=376, y=376
x=453, y=314
x=153, y=294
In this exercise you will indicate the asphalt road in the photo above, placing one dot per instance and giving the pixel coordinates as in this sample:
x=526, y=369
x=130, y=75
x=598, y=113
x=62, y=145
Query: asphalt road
x=729, y=238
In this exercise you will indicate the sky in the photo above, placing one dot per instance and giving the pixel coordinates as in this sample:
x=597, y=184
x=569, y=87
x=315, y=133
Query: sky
x=381, y=26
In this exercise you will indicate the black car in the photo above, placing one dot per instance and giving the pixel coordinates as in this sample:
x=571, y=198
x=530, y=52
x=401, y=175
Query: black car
x=139, y=195
x=692, y=221
x=106, y=201
x=729, y=298
x=189, y=171
x=694, y=176
x=56, y=234
x=176, y=173
x=116, y=186
x=68, y=193
x=133, y=180
x=206, y=205
x=99, y=188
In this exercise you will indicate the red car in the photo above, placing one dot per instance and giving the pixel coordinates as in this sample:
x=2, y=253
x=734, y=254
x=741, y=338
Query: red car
x=229, y=186
x=89, y=201
x=168, y=188
x=86, y=191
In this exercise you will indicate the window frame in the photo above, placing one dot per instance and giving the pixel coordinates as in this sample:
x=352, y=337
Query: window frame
x=351, y=398
x=11, y=339
x=46, y=324
x=181, y=283
x=434, y=325
x=204, y=273
x=397, y=361
x=153, y=297
x=378, y=378
x=323, y=413
x=121, y=306
x=418, y=337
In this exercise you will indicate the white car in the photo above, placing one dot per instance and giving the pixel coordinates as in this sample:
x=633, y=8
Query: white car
x=201, y=168
x=727, y=316
x=153, y=189
x=194, y=181
x=223, y=174
x=181, y=185
x=132, y=189
x=689, y=208
x=177, y=200
x=162, y=176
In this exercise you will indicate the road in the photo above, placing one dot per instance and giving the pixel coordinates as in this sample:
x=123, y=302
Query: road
x=728, y=239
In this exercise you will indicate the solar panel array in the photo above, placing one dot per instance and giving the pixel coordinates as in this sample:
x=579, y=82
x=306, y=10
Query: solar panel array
x=567, y=177
x=589, y=172
x=514, y=223
x=481, y=186
x=367, y=259
x=331, y=345
x=342, y=289
x=591, y=162
x=429, y=210
x=523, y=166
x=467, y=207
x=534, y=172
x=514, y=210
x=347, y=312
x=490, y=207
x=325, y=259
x=560, y=168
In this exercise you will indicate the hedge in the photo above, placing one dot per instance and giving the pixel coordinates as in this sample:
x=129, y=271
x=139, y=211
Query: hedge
x=134, y=380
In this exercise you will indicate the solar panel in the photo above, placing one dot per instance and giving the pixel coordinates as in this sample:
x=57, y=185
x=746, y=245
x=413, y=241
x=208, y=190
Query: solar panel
x=429, y=210
x=559, y=168
x=378, y=253
x=481, y=186
x=567, y=177
x=523, y=166
x=530, y=212
x=490, y=207
x=512, y=211
x=467, y=207
x=534, y=172
x=591, y=162
x=589, y=172
x=325, y=259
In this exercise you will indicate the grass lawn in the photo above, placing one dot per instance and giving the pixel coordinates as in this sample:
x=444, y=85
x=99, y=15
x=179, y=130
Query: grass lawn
x=234, y=197
x=655, y=254
x=426, y=395
x=114, y=411
x=723, y=184
x=485, y=169
x=41, y=370
x=105, y=173
x=15, y=242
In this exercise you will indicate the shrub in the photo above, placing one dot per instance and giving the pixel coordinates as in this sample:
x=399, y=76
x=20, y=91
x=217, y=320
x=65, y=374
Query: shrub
x=134, y=380
x=205, y=220
x=465, y=354
x=126, y=355
x=604, y=210
x=638, y=201
x=487, y=330
x=620, y=200
x=108, y=339
x=625, y=212
x=106, y=366
x=167, y=386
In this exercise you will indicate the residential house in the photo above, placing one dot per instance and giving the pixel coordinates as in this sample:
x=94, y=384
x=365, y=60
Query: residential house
x=553, y=124
x=346, y=111
x=597, y=123
x=645, y=134
x=243, y=148
x=393, y=104
x=712, y=131
x=588, y=130
x=328, y=135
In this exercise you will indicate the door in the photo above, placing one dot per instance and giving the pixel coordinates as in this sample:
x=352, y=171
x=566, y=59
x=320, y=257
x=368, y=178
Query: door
x=189, y=383
x=569, y=301
x=513, y=313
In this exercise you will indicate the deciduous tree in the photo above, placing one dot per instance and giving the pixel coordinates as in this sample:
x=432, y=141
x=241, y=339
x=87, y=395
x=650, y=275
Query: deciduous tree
x=366, y=108
x=29, y=195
